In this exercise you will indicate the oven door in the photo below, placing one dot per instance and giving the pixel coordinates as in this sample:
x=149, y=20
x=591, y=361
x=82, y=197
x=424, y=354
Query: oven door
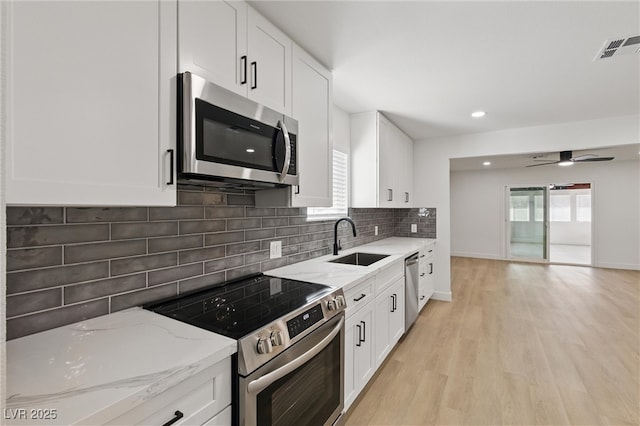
x=302, y=386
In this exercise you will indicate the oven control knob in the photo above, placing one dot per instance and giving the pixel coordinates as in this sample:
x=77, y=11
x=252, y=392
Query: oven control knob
x=277, y=338
x=340, y=302
x=332, y=305
x=264, y=346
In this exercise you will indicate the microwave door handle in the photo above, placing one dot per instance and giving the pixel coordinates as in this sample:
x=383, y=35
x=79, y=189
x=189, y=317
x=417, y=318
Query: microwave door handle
x=287, y=150
x=263, y=382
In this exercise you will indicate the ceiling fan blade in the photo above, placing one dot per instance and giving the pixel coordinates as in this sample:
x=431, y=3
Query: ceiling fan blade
x=593, y=158
x=543, y=164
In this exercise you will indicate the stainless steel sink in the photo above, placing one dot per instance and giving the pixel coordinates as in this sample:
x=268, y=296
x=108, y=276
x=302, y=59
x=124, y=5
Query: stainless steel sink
x=360, y=259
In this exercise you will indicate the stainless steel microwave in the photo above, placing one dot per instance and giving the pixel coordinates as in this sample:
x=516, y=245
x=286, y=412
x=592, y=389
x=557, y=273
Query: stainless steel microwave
x=223, y=136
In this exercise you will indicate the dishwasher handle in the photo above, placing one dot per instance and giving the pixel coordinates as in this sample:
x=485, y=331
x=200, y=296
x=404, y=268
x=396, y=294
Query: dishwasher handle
x=411, y=260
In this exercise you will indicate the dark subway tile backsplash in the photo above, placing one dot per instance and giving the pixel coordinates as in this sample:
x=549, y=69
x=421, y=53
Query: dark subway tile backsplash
x=67, y=264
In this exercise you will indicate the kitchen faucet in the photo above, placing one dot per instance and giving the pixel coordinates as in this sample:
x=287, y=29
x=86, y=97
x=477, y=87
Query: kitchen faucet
x=336, y=243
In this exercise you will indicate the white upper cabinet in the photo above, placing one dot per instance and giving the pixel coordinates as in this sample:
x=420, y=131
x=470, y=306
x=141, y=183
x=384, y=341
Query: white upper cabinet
x=230, y=44
x=313, y=108
x=269, y=64
x=381, y=161
x=212, y=38
x=90, y=102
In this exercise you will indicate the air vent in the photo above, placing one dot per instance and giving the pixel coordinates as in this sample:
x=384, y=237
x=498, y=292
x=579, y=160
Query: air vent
x=619, y=46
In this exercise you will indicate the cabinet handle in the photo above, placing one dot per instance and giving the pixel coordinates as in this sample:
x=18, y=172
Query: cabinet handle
x=359, y=335
x=422, y=274
x=406, y=197
x=421, y=297
x=364, y=331
x=362, y=296
x=177, y=416
x=297, y=189
x=422, y=255
x=254, y=71
x=394, y=305
x=243, y=66
x=171, y=165
x=390, y=195
x=430, y=268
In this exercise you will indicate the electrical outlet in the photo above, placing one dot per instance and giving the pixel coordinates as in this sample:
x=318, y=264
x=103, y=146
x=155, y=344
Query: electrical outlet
x=414, y=227
x=275, y=249
x=375, y=230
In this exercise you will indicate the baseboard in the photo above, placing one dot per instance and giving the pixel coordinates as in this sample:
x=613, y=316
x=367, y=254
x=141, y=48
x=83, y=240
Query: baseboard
x=444, y=296
x=618, y=266
x=476, y=255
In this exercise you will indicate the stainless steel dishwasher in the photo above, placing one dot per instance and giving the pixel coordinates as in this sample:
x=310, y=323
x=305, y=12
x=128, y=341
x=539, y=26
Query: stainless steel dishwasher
x=411, y=272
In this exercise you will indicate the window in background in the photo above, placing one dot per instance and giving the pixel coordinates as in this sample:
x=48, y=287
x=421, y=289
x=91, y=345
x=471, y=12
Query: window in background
x=340, y=205
x=538, y=206
x=583, y=207
x=560, y=208
x=519, y=209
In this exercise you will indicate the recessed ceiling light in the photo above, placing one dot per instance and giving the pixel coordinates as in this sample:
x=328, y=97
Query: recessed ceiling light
x=486, y=163
x=251, y=150
x=478, y=114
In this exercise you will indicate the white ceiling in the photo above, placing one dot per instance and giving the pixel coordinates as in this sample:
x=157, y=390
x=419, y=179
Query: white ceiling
x=427, y=65
x=630, y=152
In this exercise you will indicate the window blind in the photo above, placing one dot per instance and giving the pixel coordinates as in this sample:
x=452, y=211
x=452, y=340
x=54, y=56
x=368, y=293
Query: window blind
x=340, y=191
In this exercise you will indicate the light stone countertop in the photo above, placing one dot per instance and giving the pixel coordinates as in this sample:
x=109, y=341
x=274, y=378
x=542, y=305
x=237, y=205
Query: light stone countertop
x=92, y=371
x=320, y=270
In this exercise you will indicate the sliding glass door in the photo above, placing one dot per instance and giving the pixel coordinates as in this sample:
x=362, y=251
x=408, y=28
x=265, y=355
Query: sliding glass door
x=527, y=230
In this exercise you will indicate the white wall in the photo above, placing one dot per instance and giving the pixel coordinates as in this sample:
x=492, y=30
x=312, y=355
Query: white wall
x=432, y=183
x=341, y=130
x=478, y=209
x=3, y=242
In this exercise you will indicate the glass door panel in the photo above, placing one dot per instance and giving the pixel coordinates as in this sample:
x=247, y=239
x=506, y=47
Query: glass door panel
x=527, y=223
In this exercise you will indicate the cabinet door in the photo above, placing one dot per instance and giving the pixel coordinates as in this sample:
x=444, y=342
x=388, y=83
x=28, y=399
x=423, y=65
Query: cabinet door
x=359, y=356
x=269, y=51
x=312, y=107
x=212, y=42
x=405, y=171
x=90, y=102
x=364, y=359
x=350, y=340
x=387, y=169
x=396, y=317
x=383, y=311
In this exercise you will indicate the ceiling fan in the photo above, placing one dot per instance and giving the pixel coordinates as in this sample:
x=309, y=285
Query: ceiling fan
x=567, y=158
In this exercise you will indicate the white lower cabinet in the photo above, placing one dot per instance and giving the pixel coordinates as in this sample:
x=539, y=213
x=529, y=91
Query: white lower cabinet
x=204, y=399
x=374, y=324
x=389, y=313
x=426, y=280
x=358, y=352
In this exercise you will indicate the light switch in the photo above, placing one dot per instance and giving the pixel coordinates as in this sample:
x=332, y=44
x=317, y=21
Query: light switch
x=414, y=227
x=375, y=230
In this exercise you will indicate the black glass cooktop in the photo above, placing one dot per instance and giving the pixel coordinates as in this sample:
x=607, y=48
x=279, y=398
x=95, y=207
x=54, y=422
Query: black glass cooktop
x=240, y=307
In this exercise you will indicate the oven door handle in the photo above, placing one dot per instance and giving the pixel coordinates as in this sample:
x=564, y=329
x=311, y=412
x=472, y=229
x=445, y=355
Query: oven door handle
x=263, y=382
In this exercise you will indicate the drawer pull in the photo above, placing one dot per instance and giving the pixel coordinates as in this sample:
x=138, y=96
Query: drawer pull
x=422, y=274
x=177, y=416
x=359, y=335
x=362, y=296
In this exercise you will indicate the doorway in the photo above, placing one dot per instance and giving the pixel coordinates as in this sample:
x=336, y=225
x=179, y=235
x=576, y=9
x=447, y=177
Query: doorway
x=527, y=223
x=570, y=223
x=550, y=223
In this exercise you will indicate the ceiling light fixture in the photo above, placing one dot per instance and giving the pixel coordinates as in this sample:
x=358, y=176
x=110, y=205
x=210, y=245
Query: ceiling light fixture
x=478, y=114
x=251, y=150
x=486, y=163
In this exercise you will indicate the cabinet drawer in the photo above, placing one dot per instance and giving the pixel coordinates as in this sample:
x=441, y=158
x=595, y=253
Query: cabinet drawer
x=359, y=296
x=199, y=398
x=388, y=275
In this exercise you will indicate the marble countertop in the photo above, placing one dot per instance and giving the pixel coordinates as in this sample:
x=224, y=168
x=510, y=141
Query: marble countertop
x=90, y=372
x=321, y=271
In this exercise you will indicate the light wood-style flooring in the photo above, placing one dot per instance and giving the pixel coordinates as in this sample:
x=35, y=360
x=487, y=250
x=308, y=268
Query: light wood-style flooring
x=521, y=343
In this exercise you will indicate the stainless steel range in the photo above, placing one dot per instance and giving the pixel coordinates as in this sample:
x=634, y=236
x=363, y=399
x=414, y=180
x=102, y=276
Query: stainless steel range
x=290, y=346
